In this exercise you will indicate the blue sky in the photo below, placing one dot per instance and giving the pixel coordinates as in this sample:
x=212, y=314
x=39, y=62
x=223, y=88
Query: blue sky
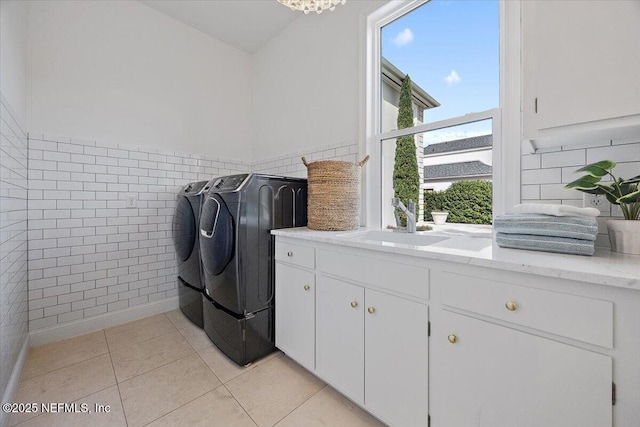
x=449, y=48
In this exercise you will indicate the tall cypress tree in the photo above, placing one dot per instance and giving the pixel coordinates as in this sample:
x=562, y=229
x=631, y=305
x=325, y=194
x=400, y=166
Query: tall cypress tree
x=406, y=179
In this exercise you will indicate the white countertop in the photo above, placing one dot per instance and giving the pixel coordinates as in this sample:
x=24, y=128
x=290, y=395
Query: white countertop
x=479, y=248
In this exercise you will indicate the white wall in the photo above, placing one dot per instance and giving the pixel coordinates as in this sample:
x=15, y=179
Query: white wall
x=545, y=173
x=13, y=56
x=306, y=83
x=13, y=197
x=89, y=255
x=119, y=71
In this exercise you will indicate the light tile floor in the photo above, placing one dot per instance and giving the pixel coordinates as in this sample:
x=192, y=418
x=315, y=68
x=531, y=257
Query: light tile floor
x=163, y=371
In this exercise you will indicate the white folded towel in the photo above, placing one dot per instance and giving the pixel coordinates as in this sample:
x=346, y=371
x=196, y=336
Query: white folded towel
x=555, y=210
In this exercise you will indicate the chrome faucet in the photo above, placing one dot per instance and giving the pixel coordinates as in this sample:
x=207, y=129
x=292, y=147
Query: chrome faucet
x=410, y=213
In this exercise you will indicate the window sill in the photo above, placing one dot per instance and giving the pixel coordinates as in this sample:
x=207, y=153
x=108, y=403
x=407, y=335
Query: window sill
x=462, y=229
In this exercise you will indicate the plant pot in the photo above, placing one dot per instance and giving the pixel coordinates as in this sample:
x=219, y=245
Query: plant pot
x=624, y=236
x=439, y=218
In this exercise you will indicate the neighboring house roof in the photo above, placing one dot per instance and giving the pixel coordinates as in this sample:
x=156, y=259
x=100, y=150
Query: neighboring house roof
x=459, y=145
x=456, y=170
x=393, y=76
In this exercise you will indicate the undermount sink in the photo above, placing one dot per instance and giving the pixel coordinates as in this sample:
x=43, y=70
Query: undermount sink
x=414, y=239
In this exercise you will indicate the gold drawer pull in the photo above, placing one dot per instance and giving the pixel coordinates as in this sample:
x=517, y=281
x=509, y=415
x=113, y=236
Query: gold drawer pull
x=452, y=339
x=371, y=310
x=511, y=306
x=289, y=254
x=354, y=304
x=307, y=287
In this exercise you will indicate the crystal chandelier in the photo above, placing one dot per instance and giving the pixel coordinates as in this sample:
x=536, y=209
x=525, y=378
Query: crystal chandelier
x=312, y=5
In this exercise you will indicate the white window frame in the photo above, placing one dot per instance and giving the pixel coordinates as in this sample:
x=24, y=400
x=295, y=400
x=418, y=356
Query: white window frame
x=507, y=119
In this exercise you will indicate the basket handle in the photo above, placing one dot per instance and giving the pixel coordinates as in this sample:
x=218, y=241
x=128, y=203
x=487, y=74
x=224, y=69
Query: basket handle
x=360, y=163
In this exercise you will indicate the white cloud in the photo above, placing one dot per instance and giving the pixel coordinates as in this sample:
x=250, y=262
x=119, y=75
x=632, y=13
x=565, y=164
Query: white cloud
x=404, y=37
x=452, y=78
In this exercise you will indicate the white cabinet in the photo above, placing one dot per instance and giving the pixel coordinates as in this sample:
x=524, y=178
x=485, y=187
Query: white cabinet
x=527, y=351
x=340, y=336
x=493, y=376
x=295, y=314
x=396, y=359
x=585, y=319
x=581, y=63
x=373, y=347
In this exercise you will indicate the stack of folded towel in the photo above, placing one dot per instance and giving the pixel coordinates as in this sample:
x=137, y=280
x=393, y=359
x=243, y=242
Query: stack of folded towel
x=549, y=228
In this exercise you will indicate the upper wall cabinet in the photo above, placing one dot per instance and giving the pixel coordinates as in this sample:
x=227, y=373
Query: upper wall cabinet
x=581, y=70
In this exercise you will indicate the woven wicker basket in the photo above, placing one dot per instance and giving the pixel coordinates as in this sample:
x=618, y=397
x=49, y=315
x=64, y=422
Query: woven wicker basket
x=333, y=202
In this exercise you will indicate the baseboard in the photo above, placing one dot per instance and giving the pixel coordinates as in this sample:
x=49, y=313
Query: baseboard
x=84, y=326
x=14, y=380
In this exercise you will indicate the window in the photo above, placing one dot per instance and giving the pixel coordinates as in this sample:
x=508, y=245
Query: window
x=450, y=49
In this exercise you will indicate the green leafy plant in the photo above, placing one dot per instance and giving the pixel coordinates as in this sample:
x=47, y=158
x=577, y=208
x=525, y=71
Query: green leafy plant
x=438, y=201
x=406, y=179
x=620, y=191
x=468, y=202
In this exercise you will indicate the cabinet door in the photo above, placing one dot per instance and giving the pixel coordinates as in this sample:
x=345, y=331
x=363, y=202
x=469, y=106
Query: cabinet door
x=295, y=314
x=494, y=376
x=340, y=336
x=580, y=61
x=396, y=359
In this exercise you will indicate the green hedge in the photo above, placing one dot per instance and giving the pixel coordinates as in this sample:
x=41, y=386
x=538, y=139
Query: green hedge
x=468, y=202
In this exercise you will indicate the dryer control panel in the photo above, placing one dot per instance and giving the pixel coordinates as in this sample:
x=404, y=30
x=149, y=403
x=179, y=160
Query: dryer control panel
x=195, y=187
x=229, y=183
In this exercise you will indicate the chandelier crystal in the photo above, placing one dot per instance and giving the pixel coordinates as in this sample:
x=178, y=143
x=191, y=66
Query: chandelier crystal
x=312, y=5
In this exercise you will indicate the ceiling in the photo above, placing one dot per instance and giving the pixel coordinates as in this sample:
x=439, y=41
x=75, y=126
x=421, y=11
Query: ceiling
x=245, y=24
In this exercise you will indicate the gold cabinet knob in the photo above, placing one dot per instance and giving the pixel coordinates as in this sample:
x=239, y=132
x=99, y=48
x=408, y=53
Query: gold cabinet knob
x=371, y=310
x=452, y=339
x=511, y=306
x=354, y=304
x=307, y=287
x=289, y=254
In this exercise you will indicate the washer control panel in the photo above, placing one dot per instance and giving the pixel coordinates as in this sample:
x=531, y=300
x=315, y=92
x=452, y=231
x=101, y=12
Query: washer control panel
x=229, y=183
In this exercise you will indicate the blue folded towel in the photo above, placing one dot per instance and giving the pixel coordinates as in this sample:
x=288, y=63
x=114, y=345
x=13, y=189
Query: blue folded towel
x=574, y=227
x=546, y=244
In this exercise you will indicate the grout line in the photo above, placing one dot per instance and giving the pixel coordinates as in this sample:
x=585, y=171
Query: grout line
x=174, y=325
x=143, y=341
x=252, y=366
x=28, y=420
x=209, y=367
x=240, y=404
x=82, y=397
x=63, y=367
x=186, y=403
x=302, y=403
x=289, y=413
x=146, y=339
x=156, y=368
x=195, y=398
x=124, y=413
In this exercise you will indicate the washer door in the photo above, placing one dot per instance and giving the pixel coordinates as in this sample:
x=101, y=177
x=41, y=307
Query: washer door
x=184, y=229
x=216, y=235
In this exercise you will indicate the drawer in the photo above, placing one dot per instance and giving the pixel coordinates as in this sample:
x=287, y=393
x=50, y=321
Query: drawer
x=303, y=256
x=387, y=274
x=583, y=319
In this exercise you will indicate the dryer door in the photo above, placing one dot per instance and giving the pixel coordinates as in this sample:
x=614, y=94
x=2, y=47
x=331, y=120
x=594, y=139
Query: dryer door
x=184, y=229
x=216, y=235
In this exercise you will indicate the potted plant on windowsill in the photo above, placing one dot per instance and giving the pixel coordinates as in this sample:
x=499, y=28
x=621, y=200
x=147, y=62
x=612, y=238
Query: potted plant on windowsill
x=624, y=234
x=439, y=215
